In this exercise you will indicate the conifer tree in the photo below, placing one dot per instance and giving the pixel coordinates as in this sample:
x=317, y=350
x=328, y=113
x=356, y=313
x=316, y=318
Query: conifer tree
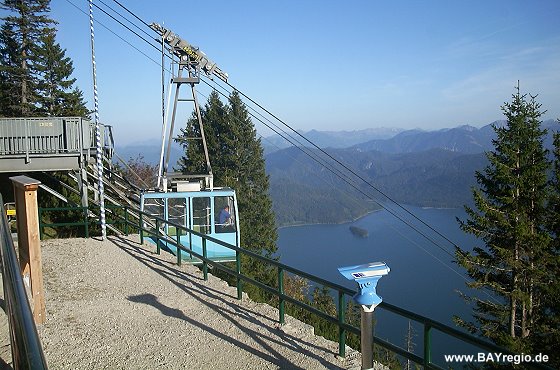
x=237, y=161
x=509, y=219
x=19, y=36
x=213, y=118
x=57, y=95
x=9, y=57
x=551, y=338
x=247, y=168
x=236, y=157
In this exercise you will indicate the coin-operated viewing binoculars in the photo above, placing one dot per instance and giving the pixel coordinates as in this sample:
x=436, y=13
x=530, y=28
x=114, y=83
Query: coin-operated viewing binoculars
x=367, y=277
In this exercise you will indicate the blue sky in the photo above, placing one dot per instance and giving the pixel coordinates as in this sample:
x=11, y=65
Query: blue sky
x=330, y=65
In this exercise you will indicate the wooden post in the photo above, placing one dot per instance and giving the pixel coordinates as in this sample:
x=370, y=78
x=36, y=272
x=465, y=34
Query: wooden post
x=29, y=245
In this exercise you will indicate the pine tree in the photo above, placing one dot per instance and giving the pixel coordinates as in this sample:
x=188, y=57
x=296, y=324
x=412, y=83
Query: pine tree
x=9, y=57
x=509, y=219
x=19, y=36
x=213, y=118
x=237, y=161
x=247, y=167
x=57, y=95
x=550, y=339
x=236, y=157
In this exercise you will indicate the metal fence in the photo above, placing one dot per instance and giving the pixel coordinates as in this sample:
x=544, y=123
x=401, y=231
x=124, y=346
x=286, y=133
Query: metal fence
x=151, y=226
x=27, y=352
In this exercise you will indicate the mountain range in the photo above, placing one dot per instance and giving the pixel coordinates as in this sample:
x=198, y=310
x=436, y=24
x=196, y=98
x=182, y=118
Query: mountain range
x=426, y=168
x=329, y=139
x=462, y=139
x=150, y=150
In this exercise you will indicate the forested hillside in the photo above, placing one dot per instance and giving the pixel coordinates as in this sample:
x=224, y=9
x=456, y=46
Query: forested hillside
x=304, y=191
x=424, y=168
x=300, y=203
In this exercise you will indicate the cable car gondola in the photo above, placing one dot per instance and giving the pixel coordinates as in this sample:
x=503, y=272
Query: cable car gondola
x=191, y=201
x=202, y=211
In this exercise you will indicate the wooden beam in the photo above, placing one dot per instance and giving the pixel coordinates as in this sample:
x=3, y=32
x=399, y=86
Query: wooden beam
x=29, y=243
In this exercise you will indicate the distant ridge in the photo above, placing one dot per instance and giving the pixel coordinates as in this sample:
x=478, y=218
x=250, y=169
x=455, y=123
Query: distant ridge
x=150, y=150
x=303, y=191
x=331, y=139
x=418, y=167
x=462, y=139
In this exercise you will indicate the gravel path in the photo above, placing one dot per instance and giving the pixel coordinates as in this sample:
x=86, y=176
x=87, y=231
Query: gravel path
x=117, y=305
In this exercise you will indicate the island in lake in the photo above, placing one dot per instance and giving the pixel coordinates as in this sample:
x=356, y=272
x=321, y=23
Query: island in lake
x=359, y=231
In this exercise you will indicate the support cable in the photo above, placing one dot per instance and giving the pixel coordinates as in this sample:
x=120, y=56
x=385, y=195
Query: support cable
x=125, y=26
x=331, y=169
x=344, y=178
x=131, y=13
x=115, y=34
x=128, y=20
x=325, y=165
x=346, y=167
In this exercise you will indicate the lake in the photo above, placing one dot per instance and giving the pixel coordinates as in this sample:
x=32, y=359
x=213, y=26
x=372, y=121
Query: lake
x=423, y=277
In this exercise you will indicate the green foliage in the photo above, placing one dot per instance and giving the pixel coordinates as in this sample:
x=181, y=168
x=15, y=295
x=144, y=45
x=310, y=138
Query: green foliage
x=322, y=299
x=57, y=96
x=550, y=336
x=237, y=161
x=47, y=200
x=510, y=216
x=138, y=172
x=19, y=39
x=34, y=71
x=303, y=192
x=296, y=203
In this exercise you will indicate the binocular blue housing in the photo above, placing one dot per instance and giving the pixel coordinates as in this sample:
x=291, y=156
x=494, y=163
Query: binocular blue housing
x=367, y=277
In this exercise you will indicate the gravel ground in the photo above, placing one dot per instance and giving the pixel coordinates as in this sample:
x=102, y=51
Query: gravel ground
x=116, y=304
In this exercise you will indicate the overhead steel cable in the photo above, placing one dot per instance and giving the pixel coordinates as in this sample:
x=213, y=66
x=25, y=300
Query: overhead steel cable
x=302, y=149
x=114, y=33
x=131, y=13
x=339, y=174
x=126, y=19
x=344, y=166
x=125, y=26
x=294, y=142
x=295, y=159
x=344, y=178
x=328, y=166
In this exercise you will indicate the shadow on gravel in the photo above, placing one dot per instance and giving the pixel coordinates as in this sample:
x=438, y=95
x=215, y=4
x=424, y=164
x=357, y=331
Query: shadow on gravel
x=152, y=300
x=233, y=313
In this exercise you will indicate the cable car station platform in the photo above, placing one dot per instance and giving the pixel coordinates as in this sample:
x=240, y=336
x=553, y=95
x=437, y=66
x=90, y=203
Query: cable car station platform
x=49, y=143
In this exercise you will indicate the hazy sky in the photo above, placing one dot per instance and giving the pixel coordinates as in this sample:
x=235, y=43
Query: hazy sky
x=330, y=65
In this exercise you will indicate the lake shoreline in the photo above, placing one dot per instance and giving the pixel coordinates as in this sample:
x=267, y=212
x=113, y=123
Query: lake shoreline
x=332, y=223
x=362, y=216
x=423, y=278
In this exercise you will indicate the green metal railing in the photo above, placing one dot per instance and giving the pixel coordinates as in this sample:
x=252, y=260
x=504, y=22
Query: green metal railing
x=27, y=352
x=85, y=221
x=429, y=325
